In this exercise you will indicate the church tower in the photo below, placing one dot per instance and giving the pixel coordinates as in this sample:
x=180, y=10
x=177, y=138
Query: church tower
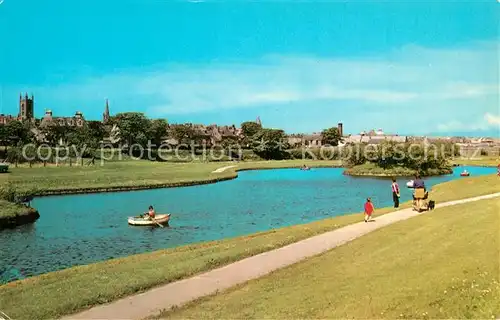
x=105, y=115
x=26, y=107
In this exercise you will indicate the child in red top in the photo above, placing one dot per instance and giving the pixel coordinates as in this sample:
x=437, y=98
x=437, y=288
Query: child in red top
x=368, y=209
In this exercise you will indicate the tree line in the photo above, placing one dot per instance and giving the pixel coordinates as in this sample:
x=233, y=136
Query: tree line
x=390, y=154
x=136, y=129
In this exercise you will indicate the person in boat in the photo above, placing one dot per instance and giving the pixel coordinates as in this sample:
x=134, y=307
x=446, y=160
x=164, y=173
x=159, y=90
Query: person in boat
x=465, y=172
x=150, y=215
x=304, y=167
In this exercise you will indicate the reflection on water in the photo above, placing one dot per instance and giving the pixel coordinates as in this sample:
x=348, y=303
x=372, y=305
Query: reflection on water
x=81, y=229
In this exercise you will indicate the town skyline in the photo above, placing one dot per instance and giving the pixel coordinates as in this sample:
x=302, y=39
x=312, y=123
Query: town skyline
x=414, y=69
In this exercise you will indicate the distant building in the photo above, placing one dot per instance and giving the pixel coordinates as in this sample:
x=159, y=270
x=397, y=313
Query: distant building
x=314, y=140
x=105, y=115
x=374, y=138
x=26, y=110
x=76, y=121
x=26, y=107
x=209, y=135
x=340, y=128
x=258, y=121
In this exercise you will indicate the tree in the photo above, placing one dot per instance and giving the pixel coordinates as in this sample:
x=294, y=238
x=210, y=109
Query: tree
x=133, y=127
x=270, y=144
x=54, y=132
x=184, y=134
x=331, y=136
x=16, y=131
x=15, y=153
x=157, y=130
x=250, y=128
x=354, y=155
x=3, y=135
x=96, y=130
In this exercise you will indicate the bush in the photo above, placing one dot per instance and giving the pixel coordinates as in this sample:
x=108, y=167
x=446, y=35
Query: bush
x=9, y=192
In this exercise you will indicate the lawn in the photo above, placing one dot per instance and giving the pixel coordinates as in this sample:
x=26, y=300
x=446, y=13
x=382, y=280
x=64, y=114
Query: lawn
x=439, y=265
x=478, y=161
x=11, y=210
x=130, y=173
x=67, y=291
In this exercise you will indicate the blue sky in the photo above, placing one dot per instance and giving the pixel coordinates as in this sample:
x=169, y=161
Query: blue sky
x=411, y=68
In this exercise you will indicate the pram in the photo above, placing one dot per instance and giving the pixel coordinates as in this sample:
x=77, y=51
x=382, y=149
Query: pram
x=419, y=200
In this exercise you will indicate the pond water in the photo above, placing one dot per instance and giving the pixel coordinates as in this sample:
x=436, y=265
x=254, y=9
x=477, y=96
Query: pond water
x=81, y=229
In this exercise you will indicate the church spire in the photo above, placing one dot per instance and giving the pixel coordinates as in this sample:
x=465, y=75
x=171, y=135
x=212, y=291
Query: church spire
x=105, y=115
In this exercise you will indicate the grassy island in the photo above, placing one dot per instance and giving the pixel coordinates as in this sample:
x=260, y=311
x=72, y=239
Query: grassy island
x=12, y=214
x=371, y=169
x=392, y=159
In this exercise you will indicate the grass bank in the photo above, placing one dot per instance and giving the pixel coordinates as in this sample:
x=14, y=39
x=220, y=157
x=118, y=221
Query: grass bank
x=12, y=214
x=132, y=174
x=71, y=290
x=441, y=265
x=478, y=161
x=371, y=169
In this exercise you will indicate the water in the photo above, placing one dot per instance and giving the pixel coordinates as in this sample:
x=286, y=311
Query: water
x=81, y=229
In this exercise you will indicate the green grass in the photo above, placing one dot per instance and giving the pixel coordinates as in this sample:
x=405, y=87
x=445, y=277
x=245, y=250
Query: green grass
x=371, y=169
x=74, y=289
x=133, y=174
x=478, y=161
x=439, y=265
x=11, y=210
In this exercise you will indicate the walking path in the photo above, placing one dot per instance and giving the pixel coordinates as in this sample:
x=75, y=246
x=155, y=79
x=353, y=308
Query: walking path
x=223, y=169
x=177, y=293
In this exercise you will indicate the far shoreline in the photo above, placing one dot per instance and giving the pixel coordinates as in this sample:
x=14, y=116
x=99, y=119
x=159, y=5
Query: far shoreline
x=233, y=175
x=31, y=215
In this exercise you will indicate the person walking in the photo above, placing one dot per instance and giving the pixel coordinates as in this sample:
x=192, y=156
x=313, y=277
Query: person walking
x=368, y=209
x=419, y=192
x=395, y=193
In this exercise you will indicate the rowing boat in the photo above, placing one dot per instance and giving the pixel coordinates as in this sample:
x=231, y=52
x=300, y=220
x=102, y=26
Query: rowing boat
x=140, y=221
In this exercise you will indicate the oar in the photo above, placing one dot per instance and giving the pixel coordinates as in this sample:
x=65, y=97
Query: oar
x=156, y=222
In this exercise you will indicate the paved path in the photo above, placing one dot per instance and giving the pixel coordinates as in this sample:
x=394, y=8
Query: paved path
x=222, y=169
x=177, y=293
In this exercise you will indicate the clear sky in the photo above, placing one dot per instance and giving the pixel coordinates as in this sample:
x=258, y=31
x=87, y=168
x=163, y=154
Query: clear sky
x=416, y=67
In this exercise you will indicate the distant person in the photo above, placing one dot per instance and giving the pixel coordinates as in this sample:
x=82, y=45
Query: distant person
x=395, y=193
x=418, y=183
x=368, y=209
x=498, y=170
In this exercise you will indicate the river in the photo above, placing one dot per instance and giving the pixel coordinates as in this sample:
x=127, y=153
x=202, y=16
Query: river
x=81, y=229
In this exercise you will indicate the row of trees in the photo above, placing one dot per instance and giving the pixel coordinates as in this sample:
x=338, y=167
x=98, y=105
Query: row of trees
x=136, y=129
x=390, y=154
